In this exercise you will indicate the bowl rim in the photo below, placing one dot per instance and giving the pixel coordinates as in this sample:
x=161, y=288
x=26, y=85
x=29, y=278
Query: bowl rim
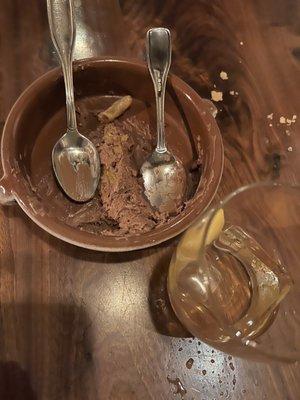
x=119, y=244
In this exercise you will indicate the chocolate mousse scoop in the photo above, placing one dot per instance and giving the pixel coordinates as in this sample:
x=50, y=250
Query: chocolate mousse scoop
x=120, y=206
x=121, y=190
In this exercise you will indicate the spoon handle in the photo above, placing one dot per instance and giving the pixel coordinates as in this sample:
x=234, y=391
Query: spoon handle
x=159, y=61
x=62, y=28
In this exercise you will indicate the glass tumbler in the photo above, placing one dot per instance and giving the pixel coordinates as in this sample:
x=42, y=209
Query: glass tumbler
x=234, y=279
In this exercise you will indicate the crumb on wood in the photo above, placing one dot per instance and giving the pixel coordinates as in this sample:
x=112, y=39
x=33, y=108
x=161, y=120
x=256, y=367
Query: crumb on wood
x=223, y=75
x=216, y=95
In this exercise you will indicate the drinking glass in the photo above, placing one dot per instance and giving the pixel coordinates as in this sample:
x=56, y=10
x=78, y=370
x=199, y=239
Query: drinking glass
x=234, y=279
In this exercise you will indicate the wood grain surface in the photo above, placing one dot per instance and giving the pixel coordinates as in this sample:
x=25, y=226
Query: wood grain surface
x=76, y=324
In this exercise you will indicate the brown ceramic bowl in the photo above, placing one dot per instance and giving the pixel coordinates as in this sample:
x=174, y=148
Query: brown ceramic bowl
x=38, y=117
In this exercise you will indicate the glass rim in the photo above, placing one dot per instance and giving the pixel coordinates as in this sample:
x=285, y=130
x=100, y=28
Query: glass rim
x=254, y=185
x=220, y=205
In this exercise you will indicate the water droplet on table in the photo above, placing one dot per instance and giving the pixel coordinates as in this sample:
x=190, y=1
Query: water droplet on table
x=189, y=363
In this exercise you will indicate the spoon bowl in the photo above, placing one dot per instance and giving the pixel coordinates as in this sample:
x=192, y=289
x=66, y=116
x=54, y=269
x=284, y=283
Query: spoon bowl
x=76, y=166
x=164, y=181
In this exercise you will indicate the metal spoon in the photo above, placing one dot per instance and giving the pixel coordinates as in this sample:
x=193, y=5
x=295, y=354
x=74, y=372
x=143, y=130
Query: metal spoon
x=164, y=176
x=75, y=159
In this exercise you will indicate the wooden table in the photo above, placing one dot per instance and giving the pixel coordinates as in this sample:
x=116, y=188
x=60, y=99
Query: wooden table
x=76, y=324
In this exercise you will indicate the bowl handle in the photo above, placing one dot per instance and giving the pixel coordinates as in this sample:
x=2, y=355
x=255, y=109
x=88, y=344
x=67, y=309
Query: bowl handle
x=6, y=197
x=210, y=107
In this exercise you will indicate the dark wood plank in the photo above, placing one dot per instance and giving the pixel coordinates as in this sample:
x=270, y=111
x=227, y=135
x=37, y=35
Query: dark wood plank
x=81, y=325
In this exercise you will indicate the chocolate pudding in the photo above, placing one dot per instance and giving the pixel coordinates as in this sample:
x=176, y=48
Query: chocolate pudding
x=124, y=139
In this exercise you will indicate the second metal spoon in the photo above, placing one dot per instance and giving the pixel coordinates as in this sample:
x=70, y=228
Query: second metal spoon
x=75, y=159
x=164, y=176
